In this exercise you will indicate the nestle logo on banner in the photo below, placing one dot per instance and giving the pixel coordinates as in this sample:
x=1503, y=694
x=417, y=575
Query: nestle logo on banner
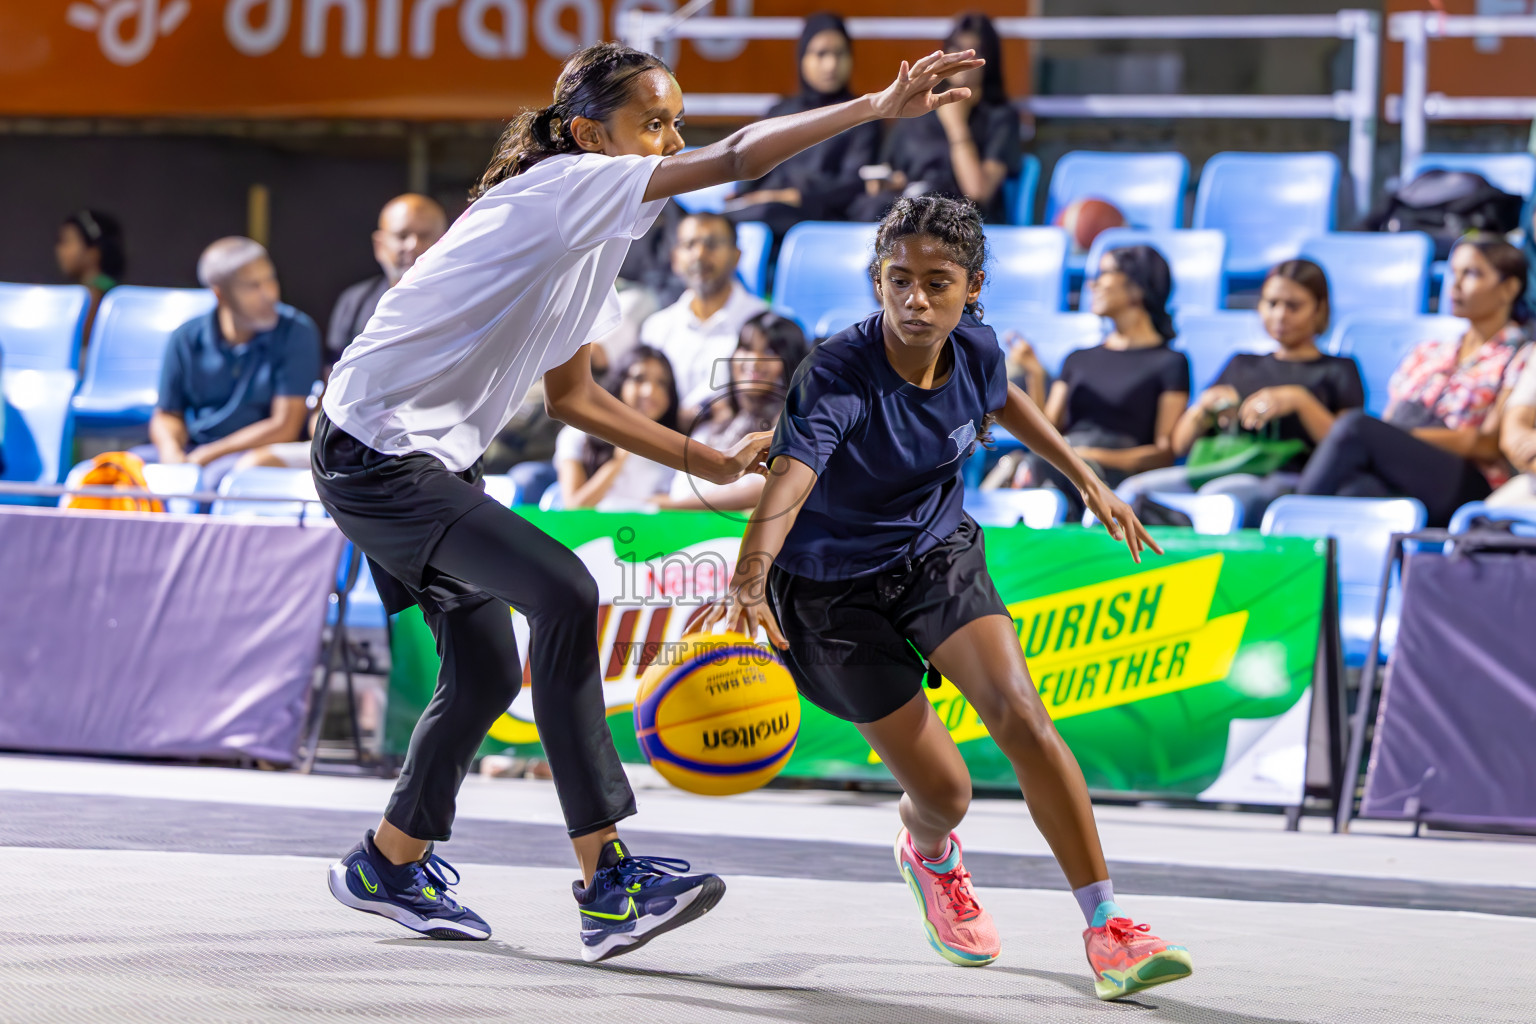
x=746, y=735
x=126, y=30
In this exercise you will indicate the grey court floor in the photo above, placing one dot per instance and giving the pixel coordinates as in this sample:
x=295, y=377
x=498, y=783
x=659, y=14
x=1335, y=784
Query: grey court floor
x=139, y=893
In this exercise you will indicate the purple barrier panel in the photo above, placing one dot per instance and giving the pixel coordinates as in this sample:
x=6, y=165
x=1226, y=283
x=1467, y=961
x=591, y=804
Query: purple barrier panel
x=159, y=635
x=1458, y=709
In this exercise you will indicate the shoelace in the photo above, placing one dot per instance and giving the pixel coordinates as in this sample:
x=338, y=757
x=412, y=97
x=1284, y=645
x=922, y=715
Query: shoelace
x=955, y=886
x=431, y=872
x=1123, y=929
x=637, y=872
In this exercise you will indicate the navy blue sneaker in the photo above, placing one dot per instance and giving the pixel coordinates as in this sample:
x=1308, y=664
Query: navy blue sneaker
x=415, y=895
x=634, y=899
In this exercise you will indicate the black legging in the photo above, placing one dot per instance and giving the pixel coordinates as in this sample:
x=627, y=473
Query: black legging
x=516, y=564
x=1365, y=458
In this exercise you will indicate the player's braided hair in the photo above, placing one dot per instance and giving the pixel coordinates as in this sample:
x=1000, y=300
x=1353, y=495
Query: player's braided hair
x=594, y=83
x=956, y=223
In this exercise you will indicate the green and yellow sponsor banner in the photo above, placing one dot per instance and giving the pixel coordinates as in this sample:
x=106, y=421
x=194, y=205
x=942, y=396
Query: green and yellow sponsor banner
x=1186, y=675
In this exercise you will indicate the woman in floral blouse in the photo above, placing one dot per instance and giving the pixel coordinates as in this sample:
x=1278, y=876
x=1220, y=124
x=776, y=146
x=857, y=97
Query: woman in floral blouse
x=1439, y=440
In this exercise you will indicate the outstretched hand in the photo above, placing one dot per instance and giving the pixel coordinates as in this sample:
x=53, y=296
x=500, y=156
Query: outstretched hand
x=1118, y=519
x=912, y=95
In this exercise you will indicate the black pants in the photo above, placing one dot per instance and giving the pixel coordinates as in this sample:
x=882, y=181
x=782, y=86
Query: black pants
x=1365, y=458
x=516, y=564
x=486, y=559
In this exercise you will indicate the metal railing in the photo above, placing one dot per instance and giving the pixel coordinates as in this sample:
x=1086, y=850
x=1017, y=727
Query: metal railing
x=1417, y=105
x=1357, y=105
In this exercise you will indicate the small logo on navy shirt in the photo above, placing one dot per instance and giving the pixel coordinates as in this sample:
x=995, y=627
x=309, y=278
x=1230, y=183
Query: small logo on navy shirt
x=963, y=437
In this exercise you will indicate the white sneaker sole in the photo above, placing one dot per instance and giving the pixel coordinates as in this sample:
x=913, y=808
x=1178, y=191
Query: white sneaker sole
x=435, y=927
x=692, y=904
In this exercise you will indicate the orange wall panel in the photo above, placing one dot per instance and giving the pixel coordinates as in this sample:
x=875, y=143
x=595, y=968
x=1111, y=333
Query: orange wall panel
x=1458, y=67
x=414, y=59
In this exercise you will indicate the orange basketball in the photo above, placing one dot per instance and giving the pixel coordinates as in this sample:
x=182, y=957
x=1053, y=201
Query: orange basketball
x=1085, y=219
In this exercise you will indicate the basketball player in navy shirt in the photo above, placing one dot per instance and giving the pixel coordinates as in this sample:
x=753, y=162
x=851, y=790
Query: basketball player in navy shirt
x=859, y=552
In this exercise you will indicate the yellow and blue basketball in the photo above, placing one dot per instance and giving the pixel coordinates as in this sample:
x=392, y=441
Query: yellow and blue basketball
x=717, y=714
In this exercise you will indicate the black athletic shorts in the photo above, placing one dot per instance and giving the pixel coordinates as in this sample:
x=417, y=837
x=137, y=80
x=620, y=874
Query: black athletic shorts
x=396, y=508
x=848, y=639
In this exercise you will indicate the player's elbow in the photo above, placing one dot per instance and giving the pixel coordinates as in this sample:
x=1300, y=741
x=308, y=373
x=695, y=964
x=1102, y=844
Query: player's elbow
x=742, y=160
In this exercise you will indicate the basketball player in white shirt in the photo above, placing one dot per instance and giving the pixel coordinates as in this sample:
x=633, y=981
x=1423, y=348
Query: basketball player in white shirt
x=514, y=292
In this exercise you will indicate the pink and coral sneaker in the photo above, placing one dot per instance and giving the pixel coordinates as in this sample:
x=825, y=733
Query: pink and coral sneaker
x=1127, y=958
x=958, y=929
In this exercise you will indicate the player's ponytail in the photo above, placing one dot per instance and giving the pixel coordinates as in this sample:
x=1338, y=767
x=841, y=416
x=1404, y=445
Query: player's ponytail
x=594, y=83
x=955, y=223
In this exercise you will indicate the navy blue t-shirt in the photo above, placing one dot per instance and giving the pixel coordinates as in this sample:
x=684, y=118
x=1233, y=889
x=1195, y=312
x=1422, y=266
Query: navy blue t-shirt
x=219, y=389
x=887, y=453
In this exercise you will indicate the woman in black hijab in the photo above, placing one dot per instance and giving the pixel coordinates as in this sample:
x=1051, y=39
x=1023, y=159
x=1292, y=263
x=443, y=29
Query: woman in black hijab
x=821, y=182
x=965, y=150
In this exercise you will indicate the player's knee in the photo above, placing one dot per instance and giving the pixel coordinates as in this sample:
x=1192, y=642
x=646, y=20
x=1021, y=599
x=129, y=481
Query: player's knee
x=571, y=594
x=504, y=683
x=1021, y=722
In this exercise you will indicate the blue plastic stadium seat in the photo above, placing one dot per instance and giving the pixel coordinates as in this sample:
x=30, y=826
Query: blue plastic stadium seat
x=823, y=266
x=1195, y=258
x=754, y=239
x=1020, y=190
x=1038, y=508
x=1210, y=514
x=269, y=482
x=1363, y=529
x=365, y=608
x=1374, y=272
x=40, y=326
x=551, y=498
x=1515, y=173
x=1148, y=188
x=1379, y=343
x=834, y=320
x=1210, y=339
x=1052, y=335
x=1523, y=517
x=128, y=339
x=1268, y=204
x=39, y=427
x=1028, y=269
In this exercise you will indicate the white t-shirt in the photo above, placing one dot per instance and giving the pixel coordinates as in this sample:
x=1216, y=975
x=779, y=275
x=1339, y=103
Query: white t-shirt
x=521, y=280
x=638, y=481
x=696, y=347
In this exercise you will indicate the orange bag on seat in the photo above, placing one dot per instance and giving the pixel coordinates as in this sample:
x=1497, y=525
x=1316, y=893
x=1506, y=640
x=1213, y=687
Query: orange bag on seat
x=115, y=469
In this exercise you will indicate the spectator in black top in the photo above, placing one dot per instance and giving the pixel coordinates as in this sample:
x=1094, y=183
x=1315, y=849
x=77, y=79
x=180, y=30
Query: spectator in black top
x=964, y=150
x=821, y=182
x=1117, y=403
x=408, y=225
x=89, y=250
x=1297, y=388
